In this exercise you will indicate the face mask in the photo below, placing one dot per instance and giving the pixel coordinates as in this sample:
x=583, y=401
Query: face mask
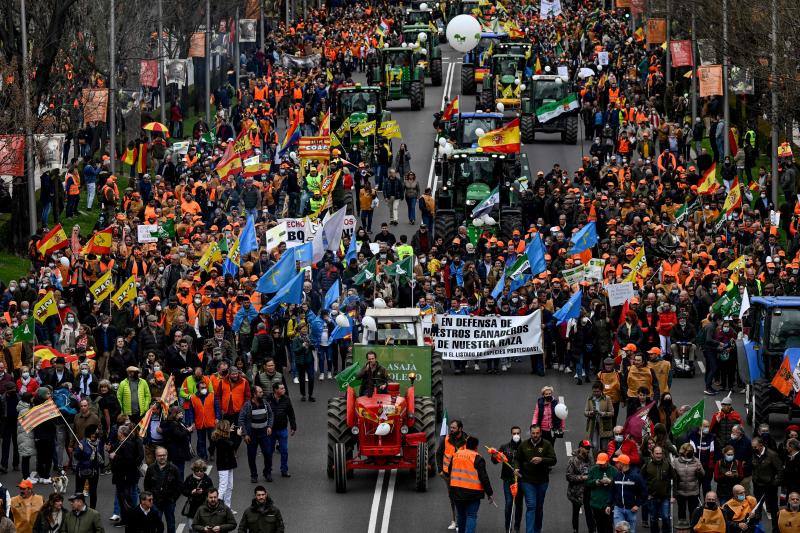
x=161, y=269
x=711, y=506
x=70, y=320
x=740, y=497
x=158, y=308
x=726, y=329
x=729, y=458
x=705, y=431
x=156, y=368
x=203, y=390
x=26, y=375
x=515, y=438
x=115, y=386
x=618, y=438
x=23, y=285
x=85, y=372
x=683, y=322
x=649, y=309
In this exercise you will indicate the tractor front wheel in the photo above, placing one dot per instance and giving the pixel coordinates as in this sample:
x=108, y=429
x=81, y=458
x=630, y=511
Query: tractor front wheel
x=510, y=219
x=436, y=72
x=486, y=100
x=571, y=133
x=467, y=79
x=421, y=479
x=340, y=467
x=338, y=432
x=437, y=384
x=417, y=95
x=445, y=226
x=527, y=129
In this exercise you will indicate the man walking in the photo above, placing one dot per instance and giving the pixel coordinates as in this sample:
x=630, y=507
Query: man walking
x=455, y=440
x=767, y=478
x=468, y=483
x=163, y=481
x=213, y=515
x=256, y=421
x=659, y=476
x=82, y=518
x=534, y=460
x=283, y=425
x=144, y=518
x=630, y=493
x=600, y=481
x=509, y=451
x=262, y=516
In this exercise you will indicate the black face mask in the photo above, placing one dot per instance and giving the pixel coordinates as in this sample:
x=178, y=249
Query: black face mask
x=711, y=506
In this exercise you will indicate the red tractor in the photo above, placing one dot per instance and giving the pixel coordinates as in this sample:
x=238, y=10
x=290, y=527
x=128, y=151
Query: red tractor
x=381, y=431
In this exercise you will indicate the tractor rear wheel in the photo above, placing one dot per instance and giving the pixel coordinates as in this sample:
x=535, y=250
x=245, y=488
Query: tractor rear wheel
x=437, y=384
x=486, y=100
x=417, y=95
x=340, y=467
x=436, y=72
x=445, y=226
x=526, y=128
x=759, y=404
x=467, y=79
x=338, y=432
x=421, y=478
x=425, y=422
x=571, y=133
x=510, y=220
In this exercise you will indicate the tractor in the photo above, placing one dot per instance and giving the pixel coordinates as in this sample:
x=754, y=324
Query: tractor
x=391, y=428
x=464, y=128
x=467, y=177
x=357, y=104
x=504, y=83
x=540, y=115
x=400, y=71
x=773, y=327
x=462, y=7
x=476, y=61
x=423, y=36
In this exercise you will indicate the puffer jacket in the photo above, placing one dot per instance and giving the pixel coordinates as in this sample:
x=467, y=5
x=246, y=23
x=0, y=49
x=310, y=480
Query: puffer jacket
x=689, y=475
x=207, y=516
x=25, y=443
x=577, y=471
x=260, y=518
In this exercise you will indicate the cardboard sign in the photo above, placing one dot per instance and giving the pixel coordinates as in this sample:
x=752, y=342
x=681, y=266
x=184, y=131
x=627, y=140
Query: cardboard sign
x=147, y=233
x=302, y=230
x=619, y=293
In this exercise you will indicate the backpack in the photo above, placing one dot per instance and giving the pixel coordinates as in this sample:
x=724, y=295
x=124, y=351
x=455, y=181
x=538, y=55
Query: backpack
x=63, y=400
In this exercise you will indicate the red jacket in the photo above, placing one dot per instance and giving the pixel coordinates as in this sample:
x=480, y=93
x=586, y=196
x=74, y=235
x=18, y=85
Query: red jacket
x=629, y=448
x=31, y=387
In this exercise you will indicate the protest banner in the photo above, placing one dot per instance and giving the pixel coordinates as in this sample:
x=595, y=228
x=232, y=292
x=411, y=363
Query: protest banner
x=710, y=78
x=462, y=337
x=681, y=52
x=302, y=230
x=147, y=233
x=619, y=293
x=656, y=30
x=95, y=105
x=148, y=72
x=197, y=44
x=573, y=275
x=275, y=235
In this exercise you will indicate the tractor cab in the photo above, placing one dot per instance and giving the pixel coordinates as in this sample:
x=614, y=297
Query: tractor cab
x=400, y=70
x=515, y=48
x=354, y=105
x=477, y=61
x=549, y=105
x=425, y=40
x=463, y=128
x=418, y=16
x=505, y=83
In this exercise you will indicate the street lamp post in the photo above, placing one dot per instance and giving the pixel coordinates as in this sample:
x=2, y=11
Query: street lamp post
x=26, y=91
x=112, y=104
x=726, y=143
x=208, y=64
x=774, y=106
x=161, y=82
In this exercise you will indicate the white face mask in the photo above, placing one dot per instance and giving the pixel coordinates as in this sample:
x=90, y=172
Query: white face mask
x=515, y=438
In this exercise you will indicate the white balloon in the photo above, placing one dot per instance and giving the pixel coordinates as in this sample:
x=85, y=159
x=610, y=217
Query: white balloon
x=405, y=45
x=423, y=51
x=517, y=81
x=442, y=141
x=561, y=411
x=64, y=261
x=522, y=87
x=342, y=320
x=489, y=221
x=547, y=68
x=369, y=323
x=463, y=33
x=479, y=132
x=448, y=149
x=383, y=429
x=478, y=222
x=422, y=37
x=423, y=6
x=599, y=68
x=386, y=45
x=500, y=107
x=379, y=303
x=559, y=81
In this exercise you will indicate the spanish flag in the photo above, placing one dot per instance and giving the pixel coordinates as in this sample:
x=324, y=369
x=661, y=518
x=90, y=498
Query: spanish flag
x=230, y=163
x=103, y=287
x=734, y=199
x=537, y=67
x=503, y=140
x=128, y=156
x=638, y=35
x=141, y=158
x=254, y=167
x=708, y=183
x=125, y=293
x=45, y=307
x=53, y=240
x=99, y=244
x=242, y=145
x=451, y=109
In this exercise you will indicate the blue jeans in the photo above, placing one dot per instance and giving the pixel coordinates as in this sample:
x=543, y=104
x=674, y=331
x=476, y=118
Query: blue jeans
x=516, y=503
x=660, y=508
x=46, y=208
x=168, y=510
x=258, y=440
x=203, y=435
x=323, y=357
x=281, y=436
x=412, y=210
x=428, y=221
x=467, y=515
x=366, y=219
x=620, y=514
x=534, y=505
x=135, y=498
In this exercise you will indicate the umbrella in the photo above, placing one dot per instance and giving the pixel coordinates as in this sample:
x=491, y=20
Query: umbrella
x=156, y=127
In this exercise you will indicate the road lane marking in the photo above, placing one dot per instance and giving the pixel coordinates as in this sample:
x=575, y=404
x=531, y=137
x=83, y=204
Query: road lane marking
x=387, y=507
x=568, y=445
x=180, y=527
x=376, y=502
x=448, y=79
x=702, y=366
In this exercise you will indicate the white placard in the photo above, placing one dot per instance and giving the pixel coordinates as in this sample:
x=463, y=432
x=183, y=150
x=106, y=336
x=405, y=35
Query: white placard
x=146, y=233
x=302, y=230
x=619, y=293
x=594, y=269
x=602, y=58
x=275, y=235
x=563, y=71
x=463, y=337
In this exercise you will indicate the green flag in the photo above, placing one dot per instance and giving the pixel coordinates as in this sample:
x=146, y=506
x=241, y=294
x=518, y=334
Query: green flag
x=24, y=332
x=729, y=302
x=404, y=269
x=347, y=377
x=519, y=267
x=165, y=230
x=692, y=418
x=368, y=274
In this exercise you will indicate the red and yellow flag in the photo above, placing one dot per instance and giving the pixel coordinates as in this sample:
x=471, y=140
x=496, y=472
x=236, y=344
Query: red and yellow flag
x=141, y=158
x=53, y=240
x=734, y=199
x=242, y=145
x=708, y=183
x=254, y=167
x=128, y=156
x=783, y=381
x=230, y=163
x=505, y=140
x=99, y=244
x=451, y=109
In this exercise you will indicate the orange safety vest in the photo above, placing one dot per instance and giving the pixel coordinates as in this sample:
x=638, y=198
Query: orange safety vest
x=788, y=522
x=233, y=396
x=639, y=377
x=611, y=385
x=449, y=452
x=741, y=509
x=463, y=473
x=714, y=522
x=204, y=415
x=661, y=370
x=297, y=93
x=260, y=94
x=613, y=94
x=75, y=186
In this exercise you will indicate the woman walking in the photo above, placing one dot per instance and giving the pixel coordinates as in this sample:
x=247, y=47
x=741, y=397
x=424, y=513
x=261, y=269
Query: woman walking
x=412, y=194
x=195, y=488
x=222, y=445
x=402, y=162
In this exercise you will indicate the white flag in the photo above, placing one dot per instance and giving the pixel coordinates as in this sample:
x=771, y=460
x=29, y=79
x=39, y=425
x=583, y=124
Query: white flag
x=745, y=304
x=333, y=228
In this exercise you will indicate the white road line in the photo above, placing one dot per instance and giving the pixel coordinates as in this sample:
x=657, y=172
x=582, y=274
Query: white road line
x=702, y=366
x=179, y=527
x=376, y=502
x=387, y=507
x=568, y=445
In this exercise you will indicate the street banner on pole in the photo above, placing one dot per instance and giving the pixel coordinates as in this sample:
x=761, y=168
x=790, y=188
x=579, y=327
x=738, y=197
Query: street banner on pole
x=710, y=78
x=681, y=52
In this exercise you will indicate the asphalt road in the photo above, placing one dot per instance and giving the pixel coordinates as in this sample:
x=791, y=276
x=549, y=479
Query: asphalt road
x=489, y=405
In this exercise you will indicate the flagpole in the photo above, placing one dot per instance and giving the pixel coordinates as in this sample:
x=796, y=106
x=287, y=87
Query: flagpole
x=68, y=426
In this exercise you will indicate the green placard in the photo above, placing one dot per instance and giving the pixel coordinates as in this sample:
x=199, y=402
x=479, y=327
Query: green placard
x=399, y=361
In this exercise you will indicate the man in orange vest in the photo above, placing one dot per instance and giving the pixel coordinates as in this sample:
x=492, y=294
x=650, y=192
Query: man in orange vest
x=455, y=440
x=72, y=188
x=468, y=483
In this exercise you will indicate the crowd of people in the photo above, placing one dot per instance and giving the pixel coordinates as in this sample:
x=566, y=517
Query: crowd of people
x=193, y=362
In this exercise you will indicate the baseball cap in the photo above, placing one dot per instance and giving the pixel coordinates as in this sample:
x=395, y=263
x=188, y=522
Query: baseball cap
x=654, y=350
x=602, y=458
x=25, y=484
x=623, y=459
x=585, y=444
x=630, y=347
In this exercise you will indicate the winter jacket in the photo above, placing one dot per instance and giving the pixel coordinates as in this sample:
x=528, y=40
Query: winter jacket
x=225, y=453
x=510, y=450
x=88, y=456
x=86, y=521
x=689, y=473
x=221, y=516
x=659, y=476
x=125, y=464
x=165, y=483
x=629, y=489
x=25, y=442
x=393, y=188
x=139, y=522
x=604, y=416
x=577, y=474
x=600, y=496
x=535, y=473
x=262, y=518
x=198, y=499
x=177, y=440
x=282, y=412
x=246, y=418
x=124, y=396
x=767, y=468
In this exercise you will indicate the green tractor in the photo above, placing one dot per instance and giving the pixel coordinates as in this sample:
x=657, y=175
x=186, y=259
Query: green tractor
x=467, y=177
x=355, y=105
x=549, y=105
x=476, y=61
x=400, y=71
x=504, y=82
x=423, y=37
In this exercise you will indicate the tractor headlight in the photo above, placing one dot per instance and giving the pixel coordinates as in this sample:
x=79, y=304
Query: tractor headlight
x=403, y=429
x=470, y=202
x=354, y=430
x=449, y=183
